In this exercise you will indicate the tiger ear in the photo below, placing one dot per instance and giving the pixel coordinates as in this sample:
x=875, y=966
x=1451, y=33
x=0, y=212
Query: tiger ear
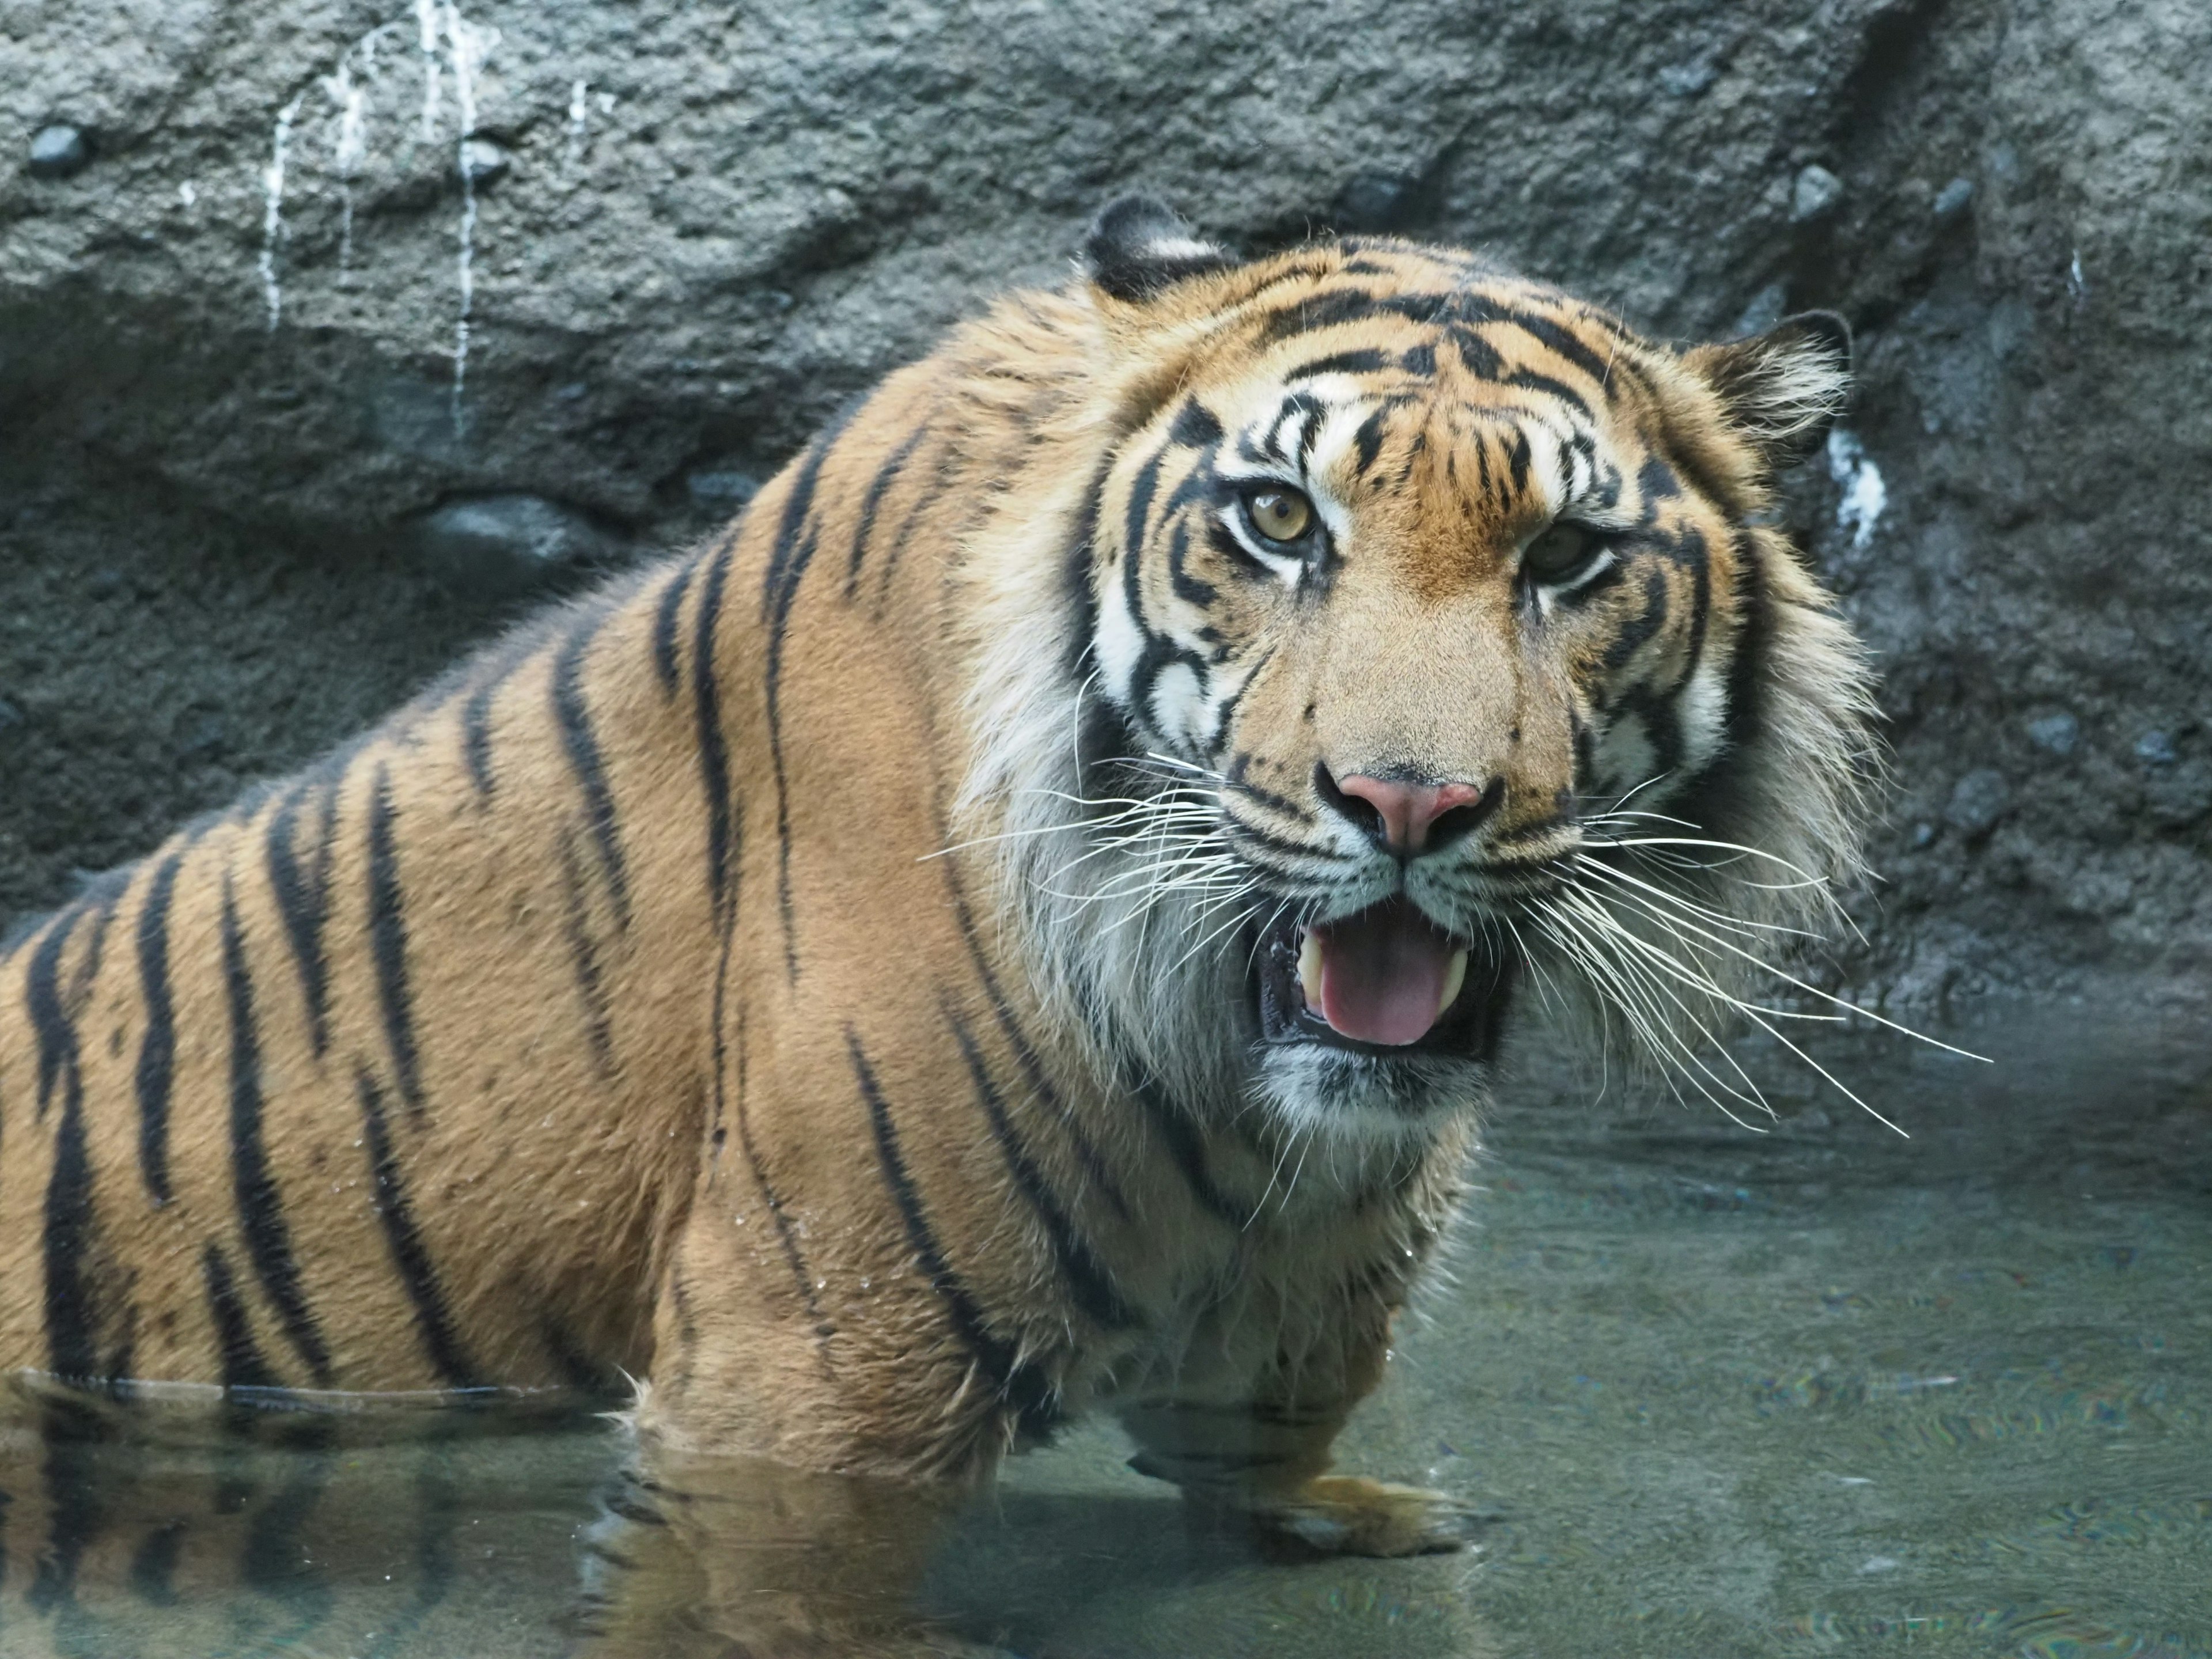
x=1140, y=246
x=1784, y=389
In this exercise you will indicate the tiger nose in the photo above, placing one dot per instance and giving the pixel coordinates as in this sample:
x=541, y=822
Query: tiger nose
x=1408, y=818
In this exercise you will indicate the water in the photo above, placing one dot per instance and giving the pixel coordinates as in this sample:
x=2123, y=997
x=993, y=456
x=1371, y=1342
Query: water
x=1823, y=1391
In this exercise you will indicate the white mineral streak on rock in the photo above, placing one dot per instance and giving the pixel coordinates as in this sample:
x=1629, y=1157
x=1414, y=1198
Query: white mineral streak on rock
x=426, y=27
x=1865, y=496
x=349, y=149
x=272, y=213
x=579, y=120
x=467, y=48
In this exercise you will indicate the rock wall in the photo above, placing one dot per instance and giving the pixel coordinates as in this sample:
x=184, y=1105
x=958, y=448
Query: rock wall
x=331, y=330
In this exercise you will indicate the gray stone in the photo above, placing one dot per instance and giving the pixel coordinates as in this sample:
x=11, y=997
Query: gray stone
x=1954, y=199
x=10, y=715
x=59, y=150
x=508, y=546
x=1815, y=194
x=2056, y=734
x=2155, y=748
x=1978, y=802
x=483, y=160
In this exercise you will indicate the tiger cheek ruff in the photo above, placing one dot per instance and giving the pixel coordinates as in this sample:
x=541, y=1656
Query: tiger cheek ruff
x=1231, y=685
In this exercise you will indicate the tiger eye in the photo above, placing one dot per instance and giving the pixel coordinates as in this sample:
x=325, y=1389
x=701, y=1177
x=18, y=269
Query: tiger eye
x=1280, y=515
x=1559, y=553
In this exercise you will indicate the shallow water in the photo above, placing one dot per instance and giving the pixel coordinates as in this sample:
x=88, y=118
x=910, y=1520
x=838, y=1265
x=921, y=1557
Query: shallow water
x=1823, y=1390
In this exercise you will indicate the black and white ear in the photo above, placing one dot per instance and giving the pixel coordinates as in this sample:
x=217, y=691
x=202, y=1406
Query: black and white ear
x=1783, y=389
x=1139, y=245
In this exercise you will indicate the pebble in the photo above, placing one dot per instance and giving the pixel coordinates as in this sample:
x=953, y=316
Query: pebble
x=2056, y=734
x=506, y=546
x=59, y=150
x=483, y=160
x=1815, y=194
x=1954, y=199
x=2155, y=748
x=1978, y=802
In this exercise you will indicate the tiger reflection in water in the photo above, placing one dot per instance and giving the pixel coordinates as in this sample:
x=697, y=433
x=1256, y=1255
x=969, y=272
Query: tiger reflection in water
x=1022, y=923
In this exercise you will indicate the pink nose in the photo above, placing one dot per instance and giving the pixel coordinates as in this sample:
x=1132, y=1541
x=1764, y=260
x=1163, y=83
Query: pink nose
x=1410, y=811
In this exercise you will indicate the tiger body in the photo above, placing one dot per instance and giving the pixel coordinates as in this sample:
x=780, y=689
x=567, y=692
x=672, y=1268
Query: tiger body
x=839, y=974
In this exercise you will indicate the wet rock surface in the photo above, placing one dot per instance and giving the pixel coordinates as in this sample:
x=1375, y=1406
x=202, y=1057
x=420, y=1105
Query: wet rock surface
x=332, y=267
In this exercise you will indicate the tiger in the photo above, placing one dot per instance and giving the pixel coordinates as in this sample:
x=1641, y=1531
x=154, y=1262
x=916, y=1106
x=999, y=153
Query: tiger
x=1022, y=923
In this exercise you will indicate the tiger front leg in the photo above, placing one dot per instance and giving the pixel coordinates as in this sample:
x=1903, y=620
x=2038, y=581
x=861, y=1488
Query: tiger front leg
x=1261, y=1467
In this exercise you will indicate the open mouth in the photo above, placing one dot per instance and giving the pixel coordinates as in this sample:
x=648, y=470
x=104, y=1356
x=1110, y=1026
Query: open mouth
x=1384, y=981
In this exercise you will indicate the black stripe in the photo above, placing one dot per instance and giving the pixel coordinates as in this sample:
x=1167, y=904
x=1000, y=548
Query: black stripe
x=387, y=937
x=476, y=730
x=873, y=501
x=1195, y=426
x=1087, y=1277
x=947, y=474
x=1186, y=1149
x=796, y=538
x=72, y=1319
x=243, y=1367
x=1076, y=566
x=786, y=1236
x=584, y=956
x=1529, y=380
x=714, y=750
x=409, y=1253
x=1362, y=360
x=1561, y=340
x=1238, y=777
x=1022, y=1387
x=303, y=900
x=1188, y=588
x=667, y=618
x=1259, y=836
x=253, y=1185
x=1476, y=356
x=42, y=997
x=1746, y=677
x=1655, y=483
x=573, y=717
x=157, y=1048
x=1368, y=441
x=1095, y=1172
x=1518, y=456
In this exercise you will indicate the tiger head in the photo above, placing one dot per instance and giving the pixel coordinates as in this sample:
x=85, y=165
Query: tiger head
x=1431, y=635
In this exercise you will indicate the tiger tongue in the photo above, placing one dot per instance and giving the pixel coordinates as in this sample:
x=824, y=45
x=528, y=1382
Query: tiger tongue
x=1383, y=973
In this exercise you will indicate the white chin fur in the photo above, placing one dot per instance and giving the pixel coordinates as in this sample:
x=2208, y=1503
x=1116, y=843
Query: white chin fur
x=1363, y=1099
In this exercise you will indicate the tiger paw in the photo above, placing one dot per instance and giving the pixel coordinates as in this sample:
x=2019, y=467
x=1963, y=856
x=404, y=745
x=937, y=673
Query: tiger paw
x=1345, y=1514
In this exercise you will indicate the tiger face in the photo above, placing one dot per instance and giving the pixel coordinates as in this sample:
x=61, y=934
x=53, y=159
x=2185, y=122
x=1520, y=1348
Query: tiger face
x=1427, y=586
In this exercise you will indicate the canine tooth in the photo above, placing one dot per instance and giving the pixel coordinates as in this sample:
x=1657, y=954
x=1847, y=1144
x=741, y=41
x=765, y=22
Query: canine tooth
x=1309, y=966
x=1454, y=976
